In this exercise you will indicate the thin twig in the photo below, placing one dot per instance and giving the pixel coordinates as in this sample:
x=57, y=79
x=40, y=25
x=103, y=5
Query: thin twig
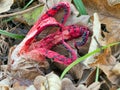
x=20, y=12
x=98, y=44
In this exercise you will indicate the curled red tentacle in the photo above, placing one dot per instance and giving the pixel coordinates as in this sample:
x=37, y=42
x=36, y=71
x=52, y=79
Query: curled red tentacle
x=31, y=36
x=53, y=11
x=50, y=54
x=46, y=19
x=69, y=32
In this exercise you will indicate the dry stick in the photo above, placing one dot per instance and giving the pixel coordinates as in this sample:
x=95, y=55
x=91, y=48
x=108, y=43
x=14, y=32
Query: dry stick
x=20, y=12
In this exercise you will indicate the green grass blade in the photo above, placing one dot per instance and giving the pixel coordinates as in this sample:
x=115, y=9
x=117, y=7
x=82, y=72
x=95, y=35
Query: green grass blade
x=80, y=6
x=27, y=4
x=84, y=57
x=97, y=74
x=16, y=36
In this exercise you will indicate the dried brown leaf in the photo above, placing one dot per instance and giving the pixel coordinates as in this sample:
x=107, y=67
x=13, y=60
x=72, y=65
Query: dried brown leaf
x=96, y=36
x=104, y=58
x=102, y=7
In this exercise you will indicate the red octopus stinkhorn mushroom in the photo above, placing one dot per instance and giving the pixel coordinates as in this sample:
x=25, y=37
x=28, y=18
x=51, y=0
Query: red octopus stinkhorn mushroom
x=38, y=50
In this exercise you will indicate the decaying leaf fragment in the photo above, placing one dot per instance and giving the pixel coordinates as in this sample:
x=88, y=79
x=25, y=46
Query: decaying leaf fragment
x=49, y=82
x=96, y=36
x=112, y=73
x=104, y=58
x=5, y=5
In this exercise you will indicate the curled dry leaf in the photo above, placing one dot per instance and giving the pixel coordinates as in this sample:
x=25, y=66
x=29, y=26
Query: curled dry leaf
x=96, y=36
x=5, y=5
x=49, y=82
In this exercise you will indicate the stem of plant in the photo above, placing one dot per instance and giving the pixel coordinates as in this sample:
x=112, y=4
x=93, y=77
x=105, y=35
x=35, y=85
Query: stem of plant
x=16, y=36
x=80, y=6
x=97, y=74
